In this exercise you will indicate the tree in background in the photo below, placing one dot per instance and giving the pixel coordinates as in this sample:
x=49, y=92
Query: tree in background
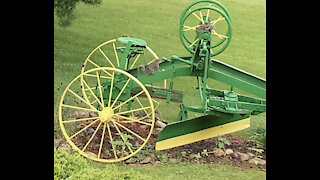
x=64, y=9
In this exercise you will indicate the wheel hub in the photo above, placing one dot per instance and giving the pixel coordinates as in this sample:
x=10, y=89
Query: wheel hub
x=106, y=114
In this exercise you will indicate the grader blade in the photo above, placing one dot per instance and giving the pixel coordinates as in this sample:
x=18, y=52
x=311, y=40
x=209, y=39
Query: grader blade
x=200, y=128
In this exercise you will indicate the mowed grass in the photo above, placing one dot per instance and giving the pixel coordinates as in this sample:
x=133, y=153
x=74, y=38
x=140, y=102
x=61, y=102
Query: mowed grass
x=190, y=171
x=157, y=22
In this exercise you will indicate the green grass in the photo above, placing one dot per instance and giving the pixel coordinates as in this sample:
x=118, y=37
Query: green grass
x=157, y=23
x=74, y=166
x=186, y=171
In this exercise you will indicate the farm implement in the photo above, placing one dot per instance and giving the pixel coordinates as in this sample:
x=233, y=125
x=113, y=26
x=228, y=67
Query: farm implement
x=108, y=112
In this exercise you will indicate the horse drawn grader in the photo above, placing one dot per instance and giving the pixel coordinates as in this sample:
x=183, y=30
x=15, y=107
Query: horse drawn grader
x=118, y=93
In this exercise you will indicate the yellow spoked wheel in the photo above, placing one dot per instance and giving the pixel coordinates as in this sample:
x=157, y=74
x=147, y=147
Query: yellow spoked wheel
x=107, y=55
x=113, y=123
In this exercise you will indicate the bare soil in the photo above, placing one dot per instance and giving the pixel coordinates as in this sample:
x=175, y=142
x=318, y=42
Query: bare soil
x=185, y=153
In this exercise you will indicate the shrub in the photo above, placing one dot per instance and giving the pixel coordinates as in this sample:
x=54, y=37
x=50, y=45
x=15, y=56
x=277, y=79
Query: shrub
x=110, y=172
x=64, y=9
x=66, y=164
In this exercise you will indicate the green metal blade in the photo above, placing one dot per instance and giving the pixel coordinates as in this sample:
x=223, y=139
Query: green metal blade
x=200, y=128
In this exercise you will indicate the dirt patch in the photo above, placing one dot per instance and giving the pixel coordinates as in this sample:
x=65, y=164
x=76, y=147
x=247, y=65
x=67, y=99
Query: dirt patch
x=205, y=148
x=198, y=152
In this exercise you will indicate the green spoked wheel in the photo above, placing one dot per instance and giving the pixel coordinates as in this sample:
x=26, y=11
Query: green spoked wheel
x=200, y=3
x=106, y=127
x=221, y=33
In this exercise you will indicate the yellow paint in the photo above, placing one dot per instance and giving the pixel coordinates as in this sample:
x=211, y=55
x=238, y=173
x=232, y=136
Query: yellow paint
x=204, y=134
x=106, y=114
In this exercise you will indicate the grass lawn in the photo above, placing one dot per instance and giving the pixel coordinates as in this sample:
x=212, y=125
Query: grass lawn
x=156, y=22
x=187, y=171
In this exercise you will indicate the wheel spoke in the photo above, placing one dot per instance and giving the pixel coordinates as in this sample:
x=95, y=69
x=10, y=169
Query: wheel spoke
x=115, y=52
x=194, y=42
x=74, y=135
x=128, y=100
x=106, y=57
x=123, y=88
x=98, y=66
x=93, y=75
x=101, y=142
x=201, y=16
x=111, y=89
x=157, y=103
x=141, y=105
x=217, y=20
x=121, y=136
x=190, y=28
x=95, y=132
x=129, y=131
x=200, y=19
x=92, y=93
x=134, y=62
x=207, y=16
x=77, y=120
x=134, y=120
x=82, y=99
x=139, y=109
x=80, y=108
x=219, y=35
x=99, y=84
x=110, y=136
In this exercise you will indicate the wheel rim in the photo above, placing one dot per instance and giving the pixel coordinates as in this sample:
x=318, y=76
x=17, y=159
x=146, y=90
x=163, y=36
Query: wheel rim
x=221, y=40
x=105, y=55
x=107, y=121
x=205, y=3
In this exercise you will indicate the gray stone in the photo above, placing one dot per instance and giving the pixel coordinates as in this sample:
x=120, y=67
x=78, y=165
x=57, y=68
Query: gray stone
x=57, y=142
x=160, y=124
x=229, y=151
x=234, y=155
x=257, y=161
x=173, y=160
x=192, y=155
x=218, y=152
x=91, y=154
x=243, y=156
x=143, y=127
x=149, y=159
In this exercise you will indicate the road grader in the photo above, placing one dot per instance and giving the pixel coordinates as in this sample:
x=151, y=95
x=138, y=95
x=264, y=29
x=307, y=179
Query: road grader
x=119, y=93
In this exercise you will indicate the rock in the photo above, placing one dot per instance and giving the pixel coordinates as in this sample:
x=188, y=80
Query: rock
x=257, y=161
x=148, y=159
x=66, y=146
x=191, y=156
x=155, y=132
x=57, y=142
x=229, y=151
x=159, y=129
x=130, y=161
x=93, y=114
x=80, y=114
x=148, y=120
x=218, y=152
x=243, y=156
x=143, y=127
x=160, y=124
x=173, y=160
x=234, y=155
x=251, y=155
x=91, y=154
x=158, y=162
